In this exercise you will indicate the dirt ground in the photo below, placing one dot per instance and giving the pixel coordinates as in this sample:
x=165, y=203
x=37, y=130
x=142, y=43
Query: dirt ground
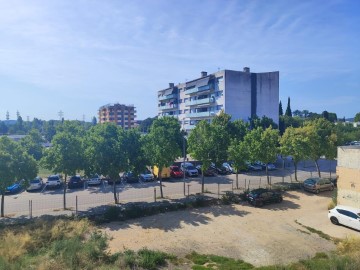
x=260, y=236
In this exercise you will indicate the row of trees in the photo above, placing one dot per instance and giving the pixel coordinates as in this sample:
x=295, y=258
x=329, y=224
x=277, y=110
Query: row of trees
x=108, y=149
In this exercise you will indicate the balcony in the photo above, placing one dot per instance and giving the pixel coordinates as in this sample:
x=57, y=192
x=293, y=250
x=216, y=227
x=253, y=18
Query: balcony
x=169, y=106
x=204, y=88
x=200, y=101
x=189, y=127
x=199, y=114
x=168, y=97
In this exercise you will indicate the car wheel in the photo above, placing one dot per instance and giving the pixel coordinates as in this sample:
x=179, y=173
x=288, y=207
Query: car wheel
x=280, y=200
x=317, y=191
x=334, y=220
x=259, y=204
x=331, y=188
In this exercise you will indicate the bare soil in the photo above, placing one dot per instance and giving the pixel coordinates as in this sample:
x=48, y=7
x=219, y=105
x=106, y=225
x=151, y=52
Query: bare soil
x=261, y=236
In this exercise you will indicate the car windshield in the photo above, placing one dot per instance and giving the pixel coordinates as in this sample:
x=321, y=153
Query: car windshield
x=175, y=169
x=95, y=176
x=190, y=167
x=310, y=181
x=53, y=178
x=147, y=172
x=35, y=181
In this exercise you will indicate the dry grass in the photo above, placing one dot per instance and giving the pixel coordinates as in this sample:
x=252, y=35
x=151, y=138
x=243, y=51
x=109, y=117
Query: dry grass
x=14, y=245
x=349, y=246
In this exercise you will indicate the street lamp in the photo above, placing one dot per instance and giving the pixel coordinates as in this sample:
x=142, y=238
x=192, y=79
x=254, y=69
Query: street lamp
x=184, y=152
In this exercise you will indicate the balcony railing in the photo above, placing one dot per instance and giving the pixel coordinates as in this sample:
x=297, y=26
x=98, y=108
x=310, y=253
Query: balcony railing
x=200, y=101
x=168, y=97
x=189, y=127
x=199, y=89
x=199, y=114
x=168, y=106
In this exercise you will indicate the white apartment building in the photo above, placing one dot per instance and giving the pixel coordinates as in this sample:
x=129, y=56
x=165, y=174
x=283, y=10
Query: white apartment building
x=241, y=94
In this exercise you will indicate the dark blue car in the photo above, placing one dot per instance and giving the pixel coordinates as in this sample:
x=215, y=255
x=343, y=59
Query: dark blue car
x=14, y=188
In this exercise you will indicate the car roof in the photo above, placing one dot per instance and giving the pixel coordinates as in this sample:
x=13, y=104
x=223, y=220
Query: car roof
x=349, y=208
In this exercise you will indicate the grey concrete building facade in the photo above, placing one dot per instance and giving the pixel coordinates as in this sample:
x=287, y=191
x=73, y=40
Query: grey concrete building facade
x=241, y=94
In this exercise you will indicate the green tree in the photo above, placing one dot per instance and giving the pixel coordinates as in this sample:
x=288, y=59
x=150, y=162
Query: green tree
x=134, y=151
x=200, y=145
x=163, y=144
x=65, y=156
x=33, y=144
x=105, y=151
x=263, y=146
x=146, y=124
x=281, y=111
x=288, y=109
x=94, y=121
x=357, y=117
x=323, y=140
x=294, y=142
x=239, y=128
x=15, y=165
x=238, y=152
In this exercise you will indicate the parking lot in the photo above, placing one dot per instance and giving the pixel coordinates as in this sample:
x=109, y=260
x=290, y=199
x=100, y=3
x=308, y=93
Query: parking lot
x=51, y=201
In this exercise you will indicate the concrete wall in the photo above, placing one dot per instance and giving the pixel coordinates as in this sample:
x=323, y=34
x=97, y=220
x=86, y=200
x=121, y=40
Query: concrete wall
x=267, y=95
x=238, y=94
x=348, y=171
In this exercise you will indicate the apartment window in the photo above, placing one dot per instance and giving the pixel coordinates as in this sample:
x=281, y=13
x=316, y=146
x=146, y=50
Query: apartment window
x=180, y=100
x=180, y=111
x=219, y=93
x=219, y=107
x=186, y=99
x=186, y=110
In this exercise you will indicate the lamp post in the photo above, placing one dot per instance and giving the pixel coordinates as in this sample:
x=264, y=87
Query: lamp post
x=184, y=152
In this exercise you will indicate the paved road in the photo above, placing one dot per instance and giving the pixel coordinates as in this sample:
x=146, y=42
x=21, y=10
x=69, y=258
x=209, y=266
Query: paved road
x=51, y=201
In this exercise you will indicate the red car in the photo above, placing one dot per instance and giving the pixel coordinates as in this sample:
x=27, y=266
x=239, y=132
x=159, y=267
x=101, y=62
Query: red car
x=175, y=172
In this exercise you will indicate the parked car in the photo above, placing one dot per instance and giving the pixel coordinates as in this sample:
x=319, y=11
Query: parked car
x=318, y=184
x=254, y=166
x=35, y=184
x=94, y=180
x=211, y=171
x=175, y=172
x=53, y=181
x=228, y=167
x=189, y=169
x=75, y=182
x=270, y=166
x=15, y=188
x=261, y=196
x=111, y=181
x=146, y=176
x=165, y=172
x=130, y=177
x=345, y=215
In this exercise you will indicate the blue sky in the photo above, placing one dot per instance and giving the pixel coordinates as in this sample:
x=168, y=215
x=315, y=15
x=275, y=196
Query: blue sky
x=75, y=56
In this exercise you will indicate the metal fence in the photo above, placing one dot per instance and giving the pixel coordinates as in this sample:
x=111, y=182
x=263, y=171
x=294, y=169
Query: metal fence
x=51, y=202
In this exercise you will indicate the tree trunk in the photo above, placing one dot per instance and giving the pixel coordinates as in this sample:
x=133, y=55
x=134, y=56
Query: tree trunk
x=64, y=194
x=2, y=203
x=160, y=179
x=202, y=181
x=267, y=174
x=237, y=179
x=114, y=190
x=295, y=169
x=318, y=168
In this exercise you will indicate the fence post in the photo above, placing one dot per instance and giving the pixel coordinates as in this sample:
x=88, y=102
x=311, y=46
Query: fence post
x=232, y=185
x=245, y=183
x=218, y=190
x=30, y=209
x=76, y=205
x=260, y=183
x=154, y=194
x=188, y=190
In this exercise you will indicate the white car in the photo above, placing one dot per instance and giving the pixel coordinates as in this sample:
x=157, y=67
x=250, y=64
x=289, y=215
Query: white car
x=53, y=181
x=94, y=180
x=345, y=215
x=146, y=176
x=36, y=184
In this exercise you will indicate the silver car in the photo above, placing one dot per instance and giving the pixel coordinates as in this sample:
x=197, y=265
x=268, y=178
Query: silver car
x=318, y=184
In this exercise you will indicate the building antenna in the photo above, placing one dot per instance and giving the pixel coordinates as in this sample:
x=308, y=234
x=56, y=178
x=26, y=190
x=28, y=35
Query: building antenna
x=61, y=114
